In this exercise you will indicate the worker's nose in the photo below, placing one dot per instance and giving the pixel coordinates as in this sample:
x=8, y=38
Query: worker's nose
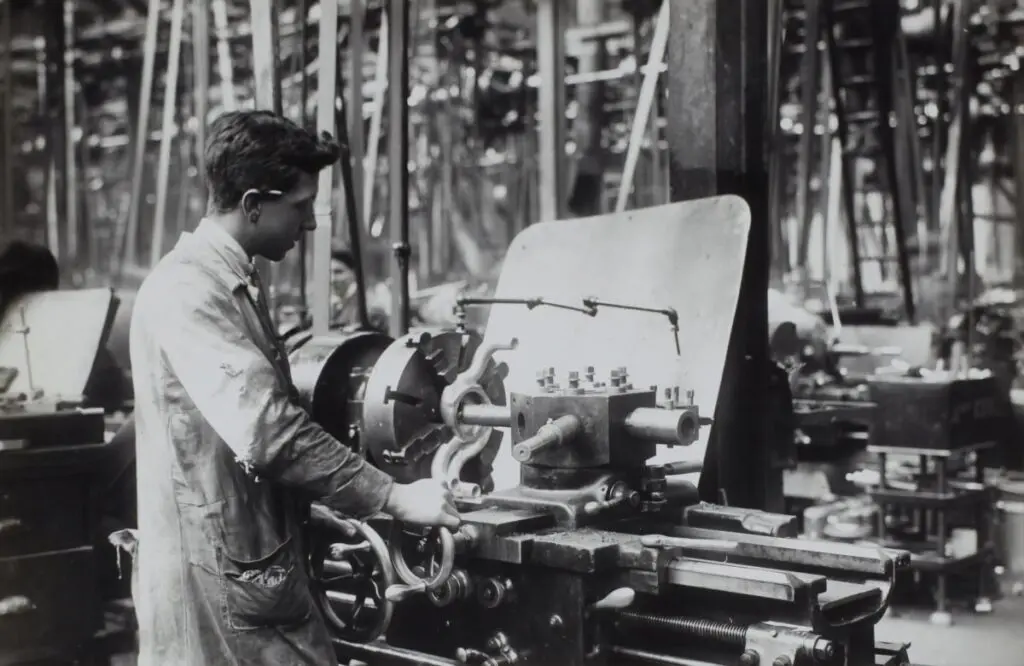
x=309, y=223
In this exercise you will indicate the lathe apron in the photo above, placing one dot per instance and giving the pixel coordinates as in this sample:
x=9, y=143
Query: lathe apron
x=220, y=576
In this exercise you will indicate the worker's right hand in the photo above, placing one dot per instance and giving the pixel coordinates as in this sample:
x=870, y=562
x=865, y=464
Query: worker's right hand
x=425, y=502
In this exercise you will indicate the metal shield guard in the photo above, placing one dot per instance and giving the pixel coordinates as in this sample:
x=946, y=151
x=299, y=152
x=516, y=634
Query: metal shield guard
x=687, y=256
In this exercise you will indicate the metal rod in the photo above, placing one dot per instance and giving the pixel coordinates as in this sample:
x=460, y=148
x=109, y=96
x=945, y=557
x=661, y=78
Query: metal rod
x=810, y=79
x=129, y=251
x=551, y=101
x=224, y=64
x=398, y=160
x=496, y=416
x=383, y=654
x=7, y=148
x=265, y=54
x=201, y=68
x=846, y=185
x=656, y=658
x=349, y=195
x=376, y=123
x=42, y=108
x=357, y=140
x=1017, y=155
x=901, y=195
x=327, y=63
x=641, y=121
x=71, y=164
x=303, y=37
x=167, y=131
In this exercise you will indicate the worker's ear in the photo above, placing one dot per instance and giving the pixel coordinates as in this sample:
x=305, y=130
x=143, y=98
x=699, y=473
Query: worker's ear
x=251, y=205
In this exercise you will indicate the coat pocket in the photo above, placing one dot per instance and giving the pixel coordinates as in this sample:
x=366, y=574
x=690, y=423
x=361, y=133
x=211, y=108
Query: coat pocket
x=272, y=591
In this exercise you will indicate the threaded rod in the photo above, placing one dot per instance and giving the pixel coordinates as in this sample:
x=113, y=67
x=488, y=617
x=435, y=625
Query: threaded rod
x=723, y=632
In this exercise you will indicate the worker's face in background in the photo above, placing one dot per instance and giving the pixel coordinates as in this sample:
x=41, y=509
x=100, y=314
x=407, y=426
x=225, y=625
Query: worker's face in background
x=341, y=277
x=283, y=221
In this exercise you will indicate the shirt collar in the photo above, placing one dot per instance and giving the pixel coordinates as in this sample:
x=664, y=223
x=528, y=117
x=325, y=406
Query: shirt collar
x=214, y=236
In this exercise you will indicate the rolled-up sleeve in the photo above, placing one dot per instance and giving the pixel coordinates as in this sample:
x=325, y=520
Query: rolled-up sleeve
x=237, y=391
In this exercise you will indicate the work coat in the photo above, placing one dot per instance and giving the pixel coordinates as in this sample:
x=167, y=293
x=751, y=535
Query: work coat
x=228, y=460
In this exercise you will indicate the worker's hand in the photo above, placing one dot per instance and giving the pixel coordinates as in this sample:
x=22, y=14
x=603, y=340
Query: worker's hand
x=425, y=502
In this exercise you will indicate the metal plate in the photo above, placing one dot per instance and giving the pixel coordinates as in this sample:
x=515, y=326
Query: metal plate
x=60, y=365
x=687, y=256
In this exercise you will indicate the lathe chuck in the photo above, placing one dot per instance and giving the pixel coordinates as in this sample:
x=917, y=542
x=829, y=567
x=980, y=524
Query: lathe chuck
x=402, y=418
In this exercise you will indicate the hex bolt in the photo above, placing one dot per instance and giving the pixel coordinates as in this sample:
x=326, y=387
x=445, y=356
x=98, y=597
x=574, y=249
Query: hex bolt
x=614, y=379
x=689, y=397
x=782, y=660
x=590, y=374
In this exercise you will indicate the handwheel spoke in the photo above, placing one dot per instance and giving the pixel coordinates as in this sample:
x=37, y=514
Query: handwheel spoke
x=344, y=574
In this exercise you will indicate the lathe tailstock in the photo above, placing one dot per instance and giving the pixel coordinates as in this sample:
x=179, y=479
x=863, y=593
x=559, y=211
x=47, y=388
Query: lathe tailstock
x=600, y=554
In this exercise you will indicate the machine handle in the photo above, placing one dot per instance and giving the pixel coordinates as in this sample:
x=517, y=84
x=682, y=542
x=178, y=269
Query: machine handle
x=554, y=432
x=396, y=593
x=11, y=526
x=16, y=605
x=617, y=599
x=662, y=541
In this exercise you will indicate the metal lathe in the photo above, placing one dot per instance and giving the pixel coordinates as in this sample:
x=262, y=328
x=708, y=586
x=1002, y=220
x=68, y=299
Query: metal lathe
x=595, y=390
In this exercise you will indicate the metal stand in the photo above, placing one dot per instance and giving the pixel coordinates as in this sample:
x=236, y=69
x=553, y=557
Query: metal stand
x=919, y=519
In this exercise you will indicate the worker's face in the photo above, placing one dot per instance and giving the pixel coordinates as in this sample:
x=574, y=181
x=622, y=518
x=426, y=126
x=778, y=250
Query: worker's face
x=341, y=276
x=283, y=221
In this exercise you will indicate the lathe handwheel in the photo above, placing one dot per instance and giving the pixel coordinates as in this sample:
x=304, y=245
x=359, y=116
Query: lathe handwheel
x=349, y=571
x=438, y=566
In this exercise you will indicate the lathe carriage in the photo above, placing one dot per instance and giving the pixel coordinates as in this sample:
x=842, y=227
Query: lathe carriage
x=602, y=553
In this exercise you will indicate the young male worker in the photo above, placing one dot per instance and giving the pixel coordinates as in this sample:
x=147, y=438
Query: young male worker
x=228, y=459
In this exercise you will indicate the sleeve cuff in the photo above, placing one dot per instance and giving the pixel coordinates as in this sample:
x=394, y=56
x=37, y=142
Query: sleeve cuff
x=364, y=495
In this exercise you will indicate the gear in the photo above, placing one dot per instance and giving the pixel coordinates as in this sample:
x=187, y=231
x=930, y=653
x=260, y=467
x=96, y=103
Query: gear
x=401, y=413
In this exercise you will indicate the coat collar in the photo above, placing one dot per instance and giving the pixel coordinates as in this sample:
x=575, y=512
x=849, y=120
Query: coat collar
x=233, y=265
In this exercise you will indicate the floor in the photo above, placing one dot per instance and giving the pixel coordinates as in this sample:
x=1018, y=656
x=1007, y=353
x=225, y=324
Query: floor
x=996, y=639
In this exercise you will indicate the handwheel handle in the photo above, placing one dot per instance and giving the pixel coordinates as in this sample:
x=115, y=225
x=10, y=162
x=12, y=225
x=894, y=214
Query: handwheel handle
x=466, y=387
x=405, y=573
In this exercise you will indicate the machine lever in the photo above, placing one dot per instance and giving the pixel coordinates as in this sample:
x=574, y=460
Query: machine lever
x=396, y=593
x=662, y=541
x=615, y=600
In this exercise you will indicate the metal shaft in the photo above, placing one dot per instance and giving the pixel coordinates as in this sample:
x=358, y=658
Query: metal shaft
x=495, y=416
x=557, y=432
x=722, y=632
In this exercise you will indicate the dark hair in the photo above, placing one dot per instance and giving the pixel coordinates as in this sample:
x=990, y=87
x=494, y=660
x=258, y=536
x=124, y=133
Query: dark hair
x=26, y=267
x=261, y=150
x=345, y=256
